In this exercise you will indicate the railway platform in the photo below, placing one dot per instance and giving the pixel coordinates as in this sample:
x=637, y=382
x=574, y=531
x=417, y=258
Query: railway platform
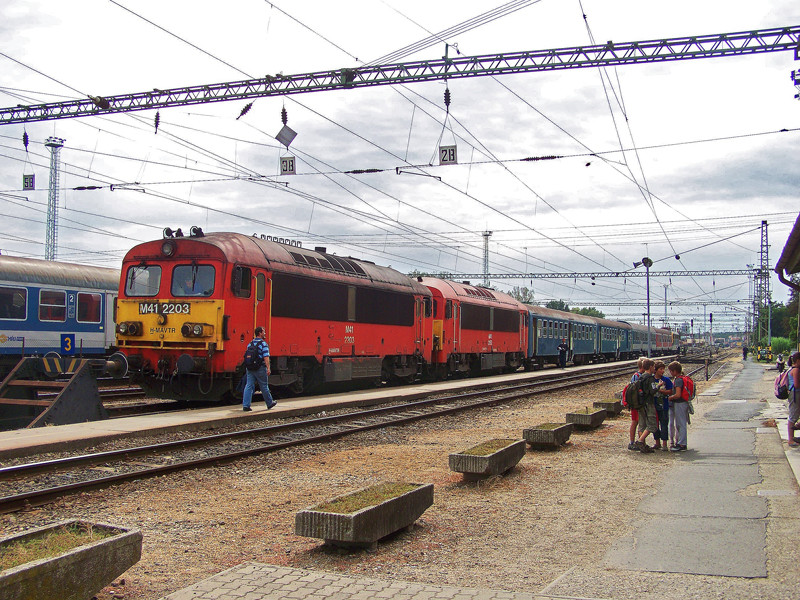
x=730, y=505
x=64, y=438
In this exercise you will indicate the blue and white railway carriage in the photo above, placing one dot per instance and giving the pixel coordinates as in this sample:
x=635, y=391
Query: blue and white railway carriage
x=49, y=306
x=638, y=339
x=548, y=327
x=583, y=339
x=613, y=339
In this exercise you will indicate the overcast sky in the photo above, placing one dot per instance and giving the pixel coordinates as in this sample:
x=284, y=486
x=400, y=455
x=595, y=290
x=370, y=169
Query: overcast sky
x=710, y=153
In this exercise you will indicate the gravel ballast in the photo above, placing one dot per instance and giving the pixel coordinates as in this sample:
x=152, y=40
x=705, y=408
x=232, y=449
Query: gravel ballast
x=556, y=511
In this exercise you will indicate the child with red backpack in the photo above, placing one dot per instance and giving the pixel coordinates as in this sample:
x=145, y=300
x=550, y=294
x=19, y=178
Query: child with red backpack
x=679, y=404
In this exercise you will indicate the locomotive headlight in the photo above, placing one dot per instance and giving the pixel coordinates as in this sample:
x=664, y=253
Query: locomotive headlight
x=196, y=330
x=168, y=248
x=130, y=328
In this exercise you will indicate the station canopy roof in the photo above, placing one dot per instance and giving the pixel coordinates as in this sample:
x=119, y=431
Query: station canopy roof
x=790, y=257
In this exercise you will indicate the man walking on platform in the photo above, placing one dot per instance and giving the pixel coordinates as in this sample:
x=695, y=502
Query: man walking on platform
x=261, y=374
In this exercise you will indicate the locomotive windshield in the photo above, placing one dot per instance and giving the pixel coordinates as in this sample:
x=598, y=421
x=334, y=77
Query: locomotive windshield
x=192, y=280
x=143, y=280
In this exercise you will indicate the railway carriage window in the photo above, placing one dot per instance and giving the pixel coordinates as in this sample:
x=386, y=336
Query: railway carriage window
x=13, y=303
x=241, y=282
x=52, y=305
x=89, y=307
x=261, y=286
x=143, y=280
x=194, y=280
x=448, y=309
x=427, y=302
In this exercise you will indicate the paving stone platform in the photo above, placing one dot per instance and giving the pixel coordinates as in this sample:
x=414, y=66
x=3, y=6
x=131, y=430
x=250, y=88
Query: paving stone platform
x=257, y=581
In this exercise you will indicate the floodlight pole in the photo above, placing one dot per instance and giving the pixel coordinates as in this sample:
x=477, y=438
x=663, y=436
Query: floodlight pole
x=647, y=264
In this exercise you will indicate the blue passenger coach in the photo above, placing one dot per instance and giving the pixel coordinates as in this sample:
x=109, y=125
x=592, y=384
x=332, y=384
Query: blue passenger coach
x=48, y=306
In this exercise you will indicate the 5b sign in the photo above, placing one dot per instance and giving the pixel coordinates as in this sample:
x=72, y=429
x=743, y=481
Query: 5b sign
x=288, y=165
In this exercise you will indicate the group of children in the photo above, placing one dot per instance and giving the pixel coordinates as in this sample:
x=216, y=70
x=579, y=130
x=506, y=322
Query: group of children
x=663, y=407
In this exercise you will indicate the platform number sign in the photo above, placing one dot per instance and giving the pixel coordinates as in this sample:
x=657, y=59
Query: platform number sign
x=448, y=155
x=68, y=343
x=28, y=182
x=288, y=165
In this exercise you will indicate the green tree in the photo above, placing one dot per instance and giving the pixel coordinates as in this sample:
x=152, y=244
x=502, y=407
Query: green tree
x=589, y=311
x=522, y=294
x=780, y=320
x=557, y=305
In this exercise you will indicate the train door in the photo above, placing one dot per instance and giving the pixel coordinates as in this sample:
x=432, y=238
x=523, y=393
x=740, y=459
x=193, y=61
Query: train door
x=570, y=338
x=419, y=329
x=262, y=300
x=456, y=327
x=109, y=319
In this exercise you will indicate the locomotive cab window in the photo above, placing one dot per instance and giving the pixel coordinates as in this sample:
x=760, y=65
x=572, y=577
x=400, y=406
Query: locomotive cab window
x=89, y=307
x=427, y=302
x=143, y=280
x=52, y=305
x=193, y=280
x=13, y=303
x=241, y=282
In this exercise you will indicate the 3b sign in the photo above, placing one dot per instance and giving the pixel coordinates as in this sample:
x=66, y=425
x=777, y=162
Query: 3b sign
x=288, y=165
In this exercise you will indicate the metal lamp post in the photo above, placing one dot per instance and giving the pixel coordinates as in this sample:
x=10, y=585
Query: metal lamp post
x=647, y=264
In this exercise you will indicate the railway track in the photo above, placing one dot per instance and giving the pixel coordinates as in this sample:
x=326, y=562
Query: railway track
x=38, y=483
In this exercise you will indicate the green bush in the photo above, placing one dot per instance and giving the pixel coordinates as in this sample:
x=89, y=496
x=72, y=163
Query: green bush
x=781, y=345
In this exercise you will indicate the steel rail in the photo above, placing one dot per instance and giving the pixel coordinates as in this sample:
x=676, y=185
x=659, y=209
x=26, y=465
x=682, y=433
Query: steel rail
x=37, y=497
x=666, y=49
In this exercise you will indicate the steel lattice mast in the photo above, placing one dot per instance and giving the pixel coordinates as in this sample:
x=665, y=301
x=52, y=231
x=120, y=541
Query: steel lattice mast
x=486, y=236
x=762, y=291
x=54, y=144
x=608, y=54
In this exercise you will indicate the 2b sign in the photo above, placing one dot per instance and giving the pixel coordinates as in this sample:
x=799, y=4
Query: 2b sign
x=288, y=165
x=448, y=155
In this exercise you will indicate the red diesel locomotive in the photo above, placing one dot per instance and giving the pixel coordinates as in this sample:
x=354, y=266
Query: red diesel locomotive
x=188, y=307
x=475, y=329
